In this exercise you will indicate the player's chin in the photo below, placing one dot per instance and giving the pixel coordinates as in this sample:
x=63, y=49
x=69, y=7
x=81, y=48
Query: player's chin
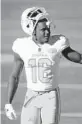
x=46, y=39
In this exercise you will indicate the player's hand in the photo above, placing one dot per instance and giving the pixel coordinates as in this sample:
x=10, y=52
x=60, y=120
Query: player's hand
x=10, y=112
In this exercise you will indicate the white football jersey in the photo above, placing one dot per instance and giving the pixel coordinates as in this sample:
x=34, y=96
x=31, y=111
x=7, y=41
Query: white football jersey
x=41, y=62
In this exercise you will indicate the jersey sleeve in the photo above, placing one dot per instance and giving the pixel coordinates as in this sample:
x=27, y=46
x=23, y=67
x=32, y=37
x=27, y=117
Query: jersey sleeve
x=62, y=44
x=16, y=47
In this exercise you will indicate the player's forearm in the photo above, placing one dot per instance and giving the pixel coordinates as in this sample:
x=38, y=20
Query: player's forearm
x=81, y=59
x=12, y=87
x=75, y=57
x=72, y=55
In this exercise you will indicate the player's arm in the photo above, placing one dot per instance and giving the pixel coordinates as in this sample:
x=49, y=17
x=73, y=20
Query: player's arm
x=14, y=78
x=12, y=86
x=72, y=55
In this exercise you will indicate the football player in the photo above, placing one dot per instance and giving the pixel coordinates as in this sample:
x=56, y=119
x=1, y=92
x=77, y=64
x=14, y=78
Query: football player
x=40, y=55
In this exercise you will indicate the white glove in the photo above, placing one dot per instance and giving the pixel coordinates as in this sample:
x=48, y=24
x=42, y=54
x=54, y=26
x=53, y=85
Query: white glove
x=10, y=112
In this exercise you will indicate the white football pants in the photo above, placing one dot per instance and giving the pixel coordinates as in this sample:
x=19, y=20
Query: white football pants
x=41, y=107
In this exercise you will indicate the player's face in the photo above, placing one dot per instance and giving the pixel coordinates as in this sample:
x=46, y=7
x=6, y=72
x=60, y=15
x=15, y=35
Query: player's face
x=42, y=32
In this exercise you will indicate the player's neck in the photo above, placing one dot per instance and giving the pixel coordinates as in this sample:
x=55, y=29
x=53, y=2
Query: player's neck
x=36, y=41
